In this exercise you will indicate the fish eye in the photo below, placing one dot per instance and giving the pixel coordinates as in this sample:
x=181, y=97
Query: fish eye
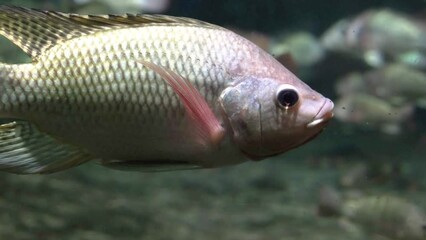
x=287, y=96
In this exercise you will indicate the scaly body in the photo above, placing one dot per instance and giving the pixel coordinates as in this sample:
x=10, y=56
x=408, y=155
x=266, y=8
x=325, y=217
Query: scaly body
x=91, y=91
x=94, y=89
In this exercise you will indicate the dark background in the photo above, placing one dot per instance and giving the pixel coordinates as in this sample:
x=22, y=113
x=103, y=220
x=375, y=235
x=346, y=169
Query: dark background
x=272, y=15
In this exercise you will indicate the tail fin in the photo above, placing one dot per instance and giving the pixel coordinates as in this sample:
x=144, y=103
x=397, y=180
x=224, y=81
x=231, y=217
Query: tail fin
x=25, y=150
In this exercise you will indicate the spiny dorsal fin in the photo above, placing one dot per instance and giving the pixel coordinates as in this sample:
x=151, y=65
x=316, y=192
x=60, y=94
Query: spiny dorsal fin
x=25, y=150
x=35, y=31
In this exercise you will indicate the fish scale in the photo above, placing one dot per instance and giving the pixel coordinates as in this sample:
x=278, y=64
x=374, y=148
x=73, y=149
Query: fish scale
x=60, y=78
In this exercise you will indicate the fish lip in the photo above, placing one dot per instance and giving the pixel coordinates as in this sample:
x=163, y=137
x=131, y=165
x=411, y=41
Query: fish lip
x=324, y=114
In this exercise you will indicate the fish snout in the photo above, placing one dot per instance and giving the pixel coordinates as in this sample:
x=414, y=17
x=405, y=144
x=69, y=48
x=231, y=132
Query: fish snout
x=324, y=114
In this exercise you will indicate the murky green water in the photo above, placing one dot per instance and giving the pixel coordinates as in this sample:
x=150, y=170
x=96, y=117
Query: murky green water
x=321, y=190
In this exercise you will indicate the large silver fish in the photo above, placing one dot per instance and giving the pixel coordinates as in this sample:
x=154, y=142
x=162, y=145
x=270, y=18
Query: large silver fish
x=145, y=92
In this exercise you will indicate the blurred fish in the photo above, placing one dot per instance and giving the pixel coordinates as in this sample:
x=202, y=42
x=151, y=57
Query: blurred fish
x=123, y=6
x=392, y=217
x=396, y=83
x=329, y=202
x=351, y=83
x=372, y=112
x=305, y=48
x=355, y=177
x=388, y=216
x=415, y=59
x=145, y=92
x=378, y=35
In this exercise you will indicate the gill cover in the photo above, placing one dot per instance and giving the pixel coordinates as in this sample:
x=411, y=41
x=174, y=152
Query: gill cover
x=243, y=114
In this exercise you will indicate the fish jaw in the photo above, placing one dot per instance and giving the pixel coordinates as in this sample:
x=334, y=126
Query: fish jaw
x=324, y=115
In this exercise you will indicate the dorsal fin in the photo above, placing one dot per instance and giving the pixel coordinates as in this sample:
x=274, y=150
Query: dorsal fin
x=35, y=31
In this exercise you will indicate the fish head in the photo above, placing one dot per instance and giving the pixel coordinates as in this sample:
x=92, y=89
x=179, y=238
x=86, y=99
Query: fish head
x=268, y=117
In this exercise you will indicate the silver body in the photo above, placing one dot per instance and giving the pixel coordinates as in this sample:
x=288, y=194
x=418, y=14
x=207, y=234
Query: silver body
x=92, y=92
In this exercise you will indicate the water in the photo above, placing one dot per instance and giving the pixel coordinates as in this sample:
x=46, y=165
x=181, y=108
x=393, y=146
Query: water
x=277, y=198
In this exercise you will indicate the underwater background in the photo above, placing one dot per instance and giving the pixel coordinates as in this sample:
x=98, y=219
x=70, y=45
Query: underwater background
x=364, y=177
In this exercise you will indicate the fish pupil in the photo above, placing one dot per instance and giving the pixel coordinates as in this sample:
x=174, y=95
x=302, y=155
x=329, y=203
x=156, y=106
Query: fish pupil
x=287, y=97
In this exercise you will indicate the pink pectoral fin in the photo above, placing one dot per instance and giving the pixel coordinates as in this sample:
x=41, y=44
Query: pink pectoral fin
x=207, y=125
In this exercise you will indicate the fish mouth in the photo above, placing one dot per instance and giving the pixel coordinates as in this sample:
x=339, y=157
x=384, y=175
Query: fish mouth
x=324, y=114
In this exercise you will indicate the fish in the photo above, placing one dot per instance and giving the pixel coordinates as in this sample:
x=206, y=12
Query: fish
x=389, y=216
x=371, y=112
x=385, y=215
x=350, y=83
x=304, y=47
x=379, y=36
x=145, y=93
x=329, y=201
x=265, y=42
x=396, y=83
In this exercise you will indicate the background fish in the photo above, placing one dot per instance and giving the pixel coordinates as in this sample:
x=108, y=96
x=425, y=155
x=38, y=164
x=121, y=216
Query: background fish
x=372, y=112
x=387, y=216
x=126, y=6
x=384, y=98
x=381, y=36
x=145, y=91
x=395, y=83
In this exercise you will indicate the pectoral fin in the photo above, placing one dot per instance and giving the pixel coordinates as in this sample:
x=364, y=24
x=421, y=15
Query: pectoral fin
x=205, y=122
x=25, y=150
